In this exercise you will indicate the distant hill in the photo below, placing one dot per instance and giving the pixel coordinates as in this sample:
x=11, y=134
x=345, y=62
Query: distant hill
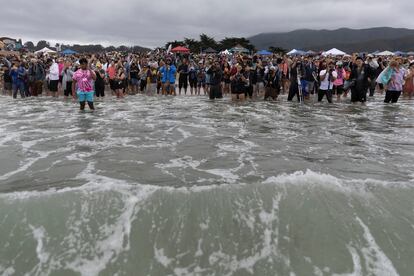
x=349, y=40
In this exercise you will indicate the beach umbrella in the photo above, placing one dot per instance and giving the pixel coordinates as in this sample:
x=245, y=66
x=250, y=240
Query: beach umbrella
x=334, y=52
x=386, y=53
x=180, y=49
x=69, y=52
x=264, y=53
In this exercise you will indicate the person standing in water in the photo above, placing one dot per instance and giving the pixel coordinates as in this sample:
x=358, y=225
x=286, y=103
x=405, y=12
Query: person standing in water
x=82, y=84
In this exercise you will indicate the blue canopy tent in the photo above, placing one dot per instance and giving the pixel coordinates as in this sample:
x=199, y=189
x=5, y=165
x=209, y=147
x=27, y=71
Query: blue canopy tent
x=264, y=53
x=68, y=52
x=399, y=53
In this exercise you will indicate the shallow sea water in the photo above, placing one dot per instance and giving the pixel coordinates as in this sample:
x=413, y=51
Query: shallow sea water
x=186, y=186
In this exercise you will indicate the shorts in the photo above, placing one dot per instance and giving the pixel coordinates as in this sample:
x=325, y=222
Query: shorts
x=53, y=85
x=7, y=86
x=201, y=84
x=68, y=90
x=61, y=79
x=112, y=84
x=118, y=85
x=193, y=83
x=182, y=82
x=338, y=89
x=134, y=81
x=85, y=96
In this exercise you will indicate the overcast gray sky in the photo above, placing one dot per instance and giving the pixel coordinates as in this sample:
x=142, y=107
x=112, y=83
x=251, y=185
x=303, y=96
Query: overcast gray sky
x=151, y=23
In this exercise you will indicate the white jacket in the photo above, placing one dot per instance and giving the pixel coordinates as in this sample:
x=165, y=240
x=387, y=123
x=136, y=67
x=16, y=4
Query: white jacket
x=54, y=71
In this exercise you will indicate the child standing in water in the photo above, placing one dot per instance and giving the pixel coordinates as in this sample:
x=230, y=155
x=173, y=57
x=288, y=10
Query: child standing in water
x=83, y=80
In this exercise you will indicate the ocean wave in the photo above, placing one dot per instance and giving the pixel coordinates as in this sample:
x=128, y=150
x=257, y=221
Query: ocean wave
x=309, y=178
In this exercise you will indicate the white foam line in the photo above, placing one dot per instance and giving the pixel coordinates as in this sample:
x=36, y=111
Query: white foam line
x=376, y=261
x=297, y=178
x=39, y=234
x=26, y=165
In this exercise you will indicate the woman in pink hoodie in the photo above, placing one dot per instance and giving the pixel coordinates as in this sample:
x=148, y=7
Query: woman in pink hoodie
x=338, y=88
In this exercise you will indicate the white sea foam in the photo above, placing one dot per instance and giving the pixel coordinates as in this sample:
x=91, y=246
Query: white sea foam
x=186, y=134
x=314, y=179
x=101, y=183
x=39, y=235
x=9, y=271
x=356, y=260
x=28, y=164
x=161, y=258
x=225, y=174
x=377, y=263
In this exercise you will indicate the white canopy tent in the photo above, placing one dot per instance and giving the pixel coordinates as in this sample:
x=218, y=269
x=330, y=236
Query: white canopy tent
x=45, y=51
x=225, y=52
x=334, y=52
x=385, y=53
x=295, y=52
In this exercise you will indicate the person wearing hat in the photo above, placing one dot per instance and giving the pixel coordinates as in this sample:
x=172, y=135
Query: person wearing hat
x=272, y=82
x=37, y=75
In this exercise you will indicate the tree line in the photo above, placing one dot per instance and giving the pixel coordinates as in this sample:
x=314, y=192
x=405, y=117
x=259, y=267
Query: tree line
x=196, y=46
x=91, y=48
x=205, y=42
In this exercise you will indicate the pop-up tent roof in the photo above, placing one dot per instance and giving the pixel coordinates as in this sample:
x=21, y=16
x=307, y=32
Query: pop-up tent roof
x=180, y=49
x=225, y=52
x=295, y=52
x=399, y=53
x=264, y=53
x=209, y=50
x=239, y=49
x=45, y=51
x=386, y=53
x=334, y=52
x=69, y=52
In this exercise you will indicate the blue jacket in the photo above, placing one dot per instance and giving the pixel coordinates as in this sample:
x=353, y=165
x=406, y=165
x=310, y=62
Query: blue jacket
x=168, y=75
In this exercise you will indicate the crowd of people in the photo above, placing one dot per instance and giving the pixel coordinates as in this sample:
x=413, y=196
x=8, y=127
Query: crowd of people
x=240, y=76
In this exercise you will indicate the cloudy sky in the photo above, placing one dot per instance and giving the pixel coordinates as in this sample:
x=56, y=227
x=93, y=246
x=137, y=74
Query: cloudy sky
x=151, y=23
